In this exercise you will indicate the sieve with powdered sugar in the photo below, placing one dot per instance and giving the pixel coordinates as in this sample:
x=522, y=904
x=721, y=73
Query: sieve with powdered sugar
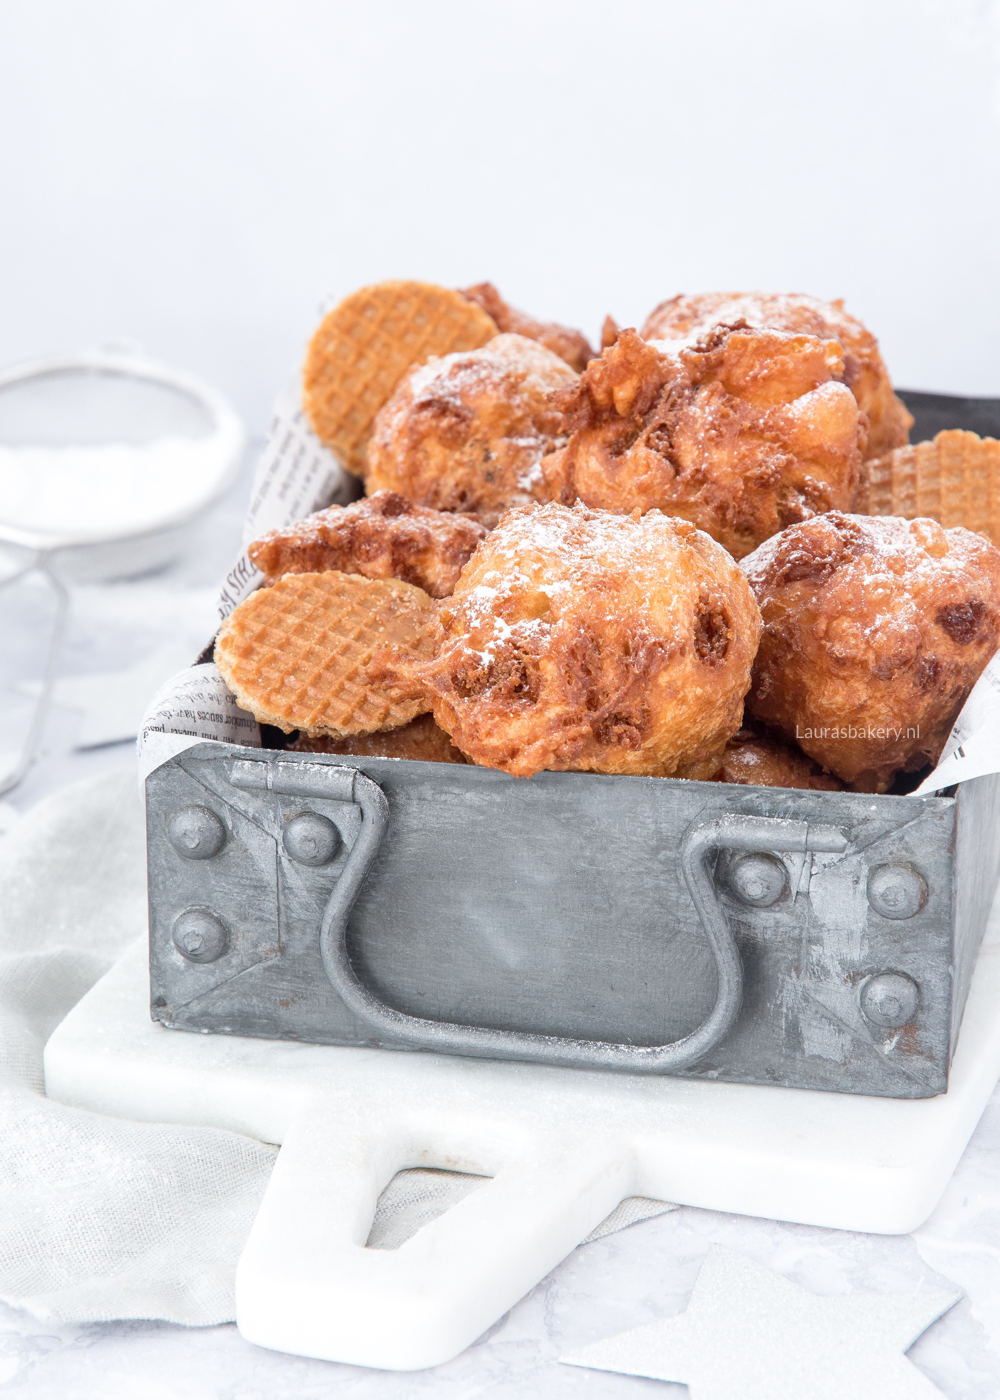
x=106, y=459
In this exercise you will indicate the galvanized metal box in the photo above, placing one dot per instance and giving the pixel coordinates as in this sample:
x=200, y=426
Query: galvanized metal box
x=647, y=925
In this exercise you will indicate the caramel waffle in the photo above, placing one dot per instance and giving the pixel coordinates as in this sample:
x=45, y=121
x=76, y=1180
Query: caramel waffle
x=367, y=343
x=298, y=655
x=954, y=480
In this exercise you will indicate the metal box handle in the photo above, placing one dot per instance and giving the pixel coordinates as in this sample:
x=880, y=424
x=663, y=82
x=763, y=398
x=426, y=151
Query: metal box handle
x=734, y=832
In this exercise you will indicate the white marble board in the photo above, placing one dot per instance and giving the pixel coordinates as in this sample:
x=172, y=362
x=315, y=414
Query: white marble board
x=562, y=1148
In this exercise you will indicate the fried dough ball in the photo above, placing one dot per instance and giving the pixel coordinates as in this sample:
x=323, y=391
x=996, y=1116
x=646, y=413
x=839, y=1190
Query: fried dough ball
x=753, y=756
x=570, y=345
x=865, y=374
x=421, y=739
x=467, y=431
x=578, y=639
x=385, y=536
x=875, y=630
x=743, y=433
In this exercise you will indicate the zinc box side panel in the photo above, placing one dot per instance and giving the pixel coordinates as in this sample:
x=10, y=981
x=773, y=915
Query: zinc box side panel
x=558, y=905
x=977, y=871
x=808, y=957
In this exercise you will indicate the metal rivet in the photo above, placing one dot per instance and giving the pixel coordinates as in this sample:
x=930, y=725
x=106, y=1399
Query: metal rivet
x=196, y=832
x=896, y=891
x=890, y=999
x=758, y=879
x=311, y=839
x=200, y=935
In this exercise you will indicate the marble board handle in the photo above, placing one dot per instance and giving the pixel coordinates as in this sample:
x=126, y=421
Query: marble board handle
x=307, y=1284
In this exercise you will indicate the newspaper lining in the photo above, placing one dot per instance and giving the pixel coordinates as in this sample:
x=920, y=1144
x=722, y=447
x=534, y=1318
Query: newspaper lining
x=295, y=476
x=973, y=746
x=198, y=703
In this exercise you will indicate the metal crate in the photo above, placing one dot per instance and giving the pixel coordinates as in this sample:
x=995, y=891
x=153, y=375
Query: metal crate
x=646, y=925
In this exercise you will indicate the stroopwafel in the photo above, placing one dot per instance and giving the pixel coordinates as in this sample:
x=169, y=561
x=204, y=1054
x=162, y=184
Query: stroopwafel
x=955, y=480
x=297, y=655
x=365, y=345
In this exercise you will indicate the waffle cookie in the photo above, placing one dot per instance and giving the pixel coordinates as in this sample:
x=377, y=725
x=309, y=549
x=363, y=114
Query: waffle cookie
x=299, y=655
x=367, y=343
x=954, y=480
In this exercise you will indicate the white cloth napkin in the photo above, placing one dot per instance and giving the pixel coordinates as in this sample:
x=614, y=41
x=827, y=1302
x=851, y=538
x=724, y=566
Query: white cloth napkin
x=102, y=1218
x=99, y=1218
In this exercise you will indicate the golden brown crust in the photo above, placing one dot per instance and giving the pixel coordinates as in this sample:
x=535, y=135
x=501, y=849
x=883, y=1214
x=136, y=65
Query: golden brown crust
x=421, y=739
x=578, y=639
x=755, y=757
x=875, y=631
x=300, y=655
x=466, y=432
x=385, y=536
x=742, y=433
x=864, y=369
x=365, y=345
x=954, y=480
x=570, y=345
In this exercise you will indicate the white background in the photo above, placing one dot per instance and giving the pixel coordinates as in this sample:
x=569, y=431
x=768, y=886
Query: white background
x=198, y=175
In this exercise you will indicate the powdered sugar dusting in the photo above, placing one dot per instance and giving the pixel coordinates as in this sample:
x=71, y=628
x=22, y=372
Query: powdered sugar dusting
x=468, y=431
x=521, y=362
x=578, y=638
x=582, y=547
x=688, y=317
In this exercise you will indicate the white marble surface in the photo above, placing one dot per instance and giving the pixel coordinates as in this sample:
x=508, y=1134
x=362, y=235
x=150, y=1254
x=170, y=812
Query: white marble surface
x=602, y=1288
x=561, y=1147
x=638, y=1275
x=750, y=1331
x=614, y=1283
